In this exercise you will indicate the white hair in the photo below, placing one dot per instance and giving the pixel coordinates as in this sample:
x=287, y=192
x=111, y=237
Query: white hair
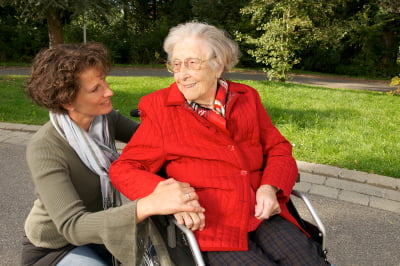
x=219, y=43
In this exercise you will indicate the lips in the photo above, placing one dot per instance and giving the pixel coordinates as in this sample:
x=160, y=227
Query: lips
x=108, y=102
x=188, y=86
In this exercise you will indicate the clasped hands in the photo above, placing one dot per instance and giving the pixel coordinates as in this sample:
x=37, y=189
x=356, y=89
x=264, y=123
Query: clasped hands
x=172, y=197
x=267, y=205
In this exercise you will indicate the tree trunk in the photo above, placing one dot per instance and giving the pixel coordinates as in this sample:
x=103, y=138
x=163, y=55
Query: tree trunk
x=54, y=27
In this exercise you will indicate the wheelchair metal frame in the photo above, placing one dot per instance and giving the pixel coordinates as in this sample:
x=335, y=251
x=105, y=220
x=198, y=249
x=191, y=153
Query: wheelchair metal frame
x=197, y=255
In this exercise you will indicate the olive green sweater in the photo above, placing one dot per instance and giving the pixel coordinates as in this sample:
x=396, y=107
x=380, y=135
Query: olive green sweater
x=69, y=207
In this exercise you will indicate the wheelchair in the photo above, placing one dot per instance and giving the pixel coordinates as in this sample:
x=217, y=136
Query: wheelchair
x=182, y=244
x=184, y=250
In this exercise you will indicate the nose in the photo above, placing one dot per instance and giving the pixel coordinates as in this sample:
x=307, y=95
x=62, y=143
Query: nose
x=108, y=92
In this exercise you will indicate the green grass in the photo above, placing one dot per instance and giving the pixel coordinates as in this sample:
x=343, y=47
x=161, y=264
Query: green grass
x=357, y=130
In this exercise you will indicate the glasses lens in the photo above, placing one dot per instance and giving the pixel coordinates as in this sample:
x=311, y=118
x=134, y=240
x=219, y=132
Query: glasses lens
x=175, y=66
x=190, y=63
x=193, y=63
x=169, y=67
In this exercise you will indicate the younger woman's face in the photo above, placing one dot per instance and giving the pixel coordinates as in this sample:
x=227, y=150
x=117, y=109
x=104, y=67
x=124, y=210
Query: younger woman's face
x=93, y=98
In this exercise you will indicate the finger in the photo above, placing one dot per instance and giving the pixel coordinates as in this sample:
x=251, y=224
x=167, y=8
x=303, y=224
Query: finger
x=179, y=218
x=277, y=210
x=196, y=221
x=196, y=204
x=193, y=195
x=186, y=197
x=188, y=189
x=258, y=209
x=202, y=221
x=187, y=220
x=191, y=208
x=183, y=184
x=171, y=183
x=168, y=181
x=190, y=195
x=263, y=210
x=269, y=212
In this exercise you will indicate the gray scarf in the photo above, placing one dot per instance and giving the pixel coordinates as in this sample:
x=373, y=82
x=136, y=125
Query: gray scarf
x=95, y=148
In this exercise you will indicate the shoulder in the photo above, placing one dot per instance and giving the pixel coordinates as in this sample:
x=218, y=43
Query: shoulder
x=156, y=97
x=121, y=127
x=160, y=99
x=47, y=144
x=47, y=134
x=113, y=115
x=243, y=90
x=115, y=118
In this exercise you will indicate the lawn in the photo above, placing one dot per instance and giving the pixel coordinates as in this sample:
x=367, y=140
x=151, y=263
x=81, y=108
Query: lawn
x=357, y=130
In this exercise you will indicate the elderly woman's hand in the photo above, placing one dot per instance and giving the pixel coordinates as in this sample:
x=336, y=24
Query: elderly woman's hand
x=192, y=220
x=267, y=203
x=170, y=196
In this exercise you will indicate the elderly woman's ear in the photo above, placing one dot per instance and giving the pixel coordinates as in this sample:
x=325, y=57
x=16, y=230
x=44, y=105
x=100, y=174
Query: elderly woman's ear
x=219, y=70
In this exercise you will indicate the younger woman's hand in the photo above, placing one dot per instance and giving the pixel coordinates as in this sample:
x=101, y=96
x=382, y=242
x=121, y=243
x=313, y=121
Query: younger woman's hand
x=169, y=197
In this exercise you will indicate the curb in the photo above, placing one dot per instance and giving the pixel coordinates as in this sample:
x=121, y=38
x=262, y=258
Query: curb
x=372, y=190
x=362, y=188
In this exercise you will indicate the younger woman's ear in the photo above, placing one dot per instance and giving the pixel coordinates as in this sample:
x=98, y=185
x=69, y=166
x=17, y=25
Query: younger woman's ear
x=68, y=107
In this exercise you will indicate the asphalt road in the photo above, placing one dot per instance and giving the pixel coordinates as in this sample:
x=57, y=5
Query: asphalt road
x=356, y=235
x=321, y=80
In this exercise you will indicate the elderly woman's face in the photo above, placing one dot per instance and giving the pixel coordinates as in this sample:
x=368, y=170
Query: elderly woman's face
x=197, y=85
x=93, y=98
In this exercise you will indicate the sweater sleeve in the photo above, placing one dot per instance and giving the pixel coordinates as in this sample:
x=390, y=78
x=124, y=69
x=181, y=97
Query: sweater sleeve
x=125, y=241
x=141, y=158
x=280, y=169
x=61, y=215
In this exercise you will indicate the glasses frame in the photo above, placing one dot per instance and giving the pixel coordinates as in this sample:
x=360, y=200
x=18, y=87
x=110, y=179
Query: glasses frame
x=170, y=68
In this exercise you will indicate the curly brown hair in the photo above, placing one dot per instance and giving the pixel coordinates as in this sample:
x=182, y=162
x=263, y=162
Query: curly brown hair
x=55, y=73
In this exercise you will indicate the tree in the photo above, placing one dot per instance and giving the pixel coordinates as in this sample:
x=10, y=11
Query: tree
x=281, y=27
x=20, y=39
x=57, y=12
x=390, y=12
x=372, y=41
x=354, y=37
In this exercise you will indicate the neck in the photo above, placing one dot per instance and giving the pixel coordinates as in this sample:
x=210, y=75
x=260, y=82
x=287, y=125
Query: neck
x=209, y=103
x=82, y=121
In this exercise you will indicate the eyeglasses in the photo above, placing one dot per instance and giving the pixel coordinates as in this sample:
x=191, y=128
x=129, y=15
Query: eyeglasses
x=190, y=63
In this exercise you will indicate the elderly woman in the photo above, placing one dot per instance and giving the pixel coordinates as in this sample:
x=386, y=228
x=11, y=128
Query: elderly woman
x=216, y=135
x=76, y=219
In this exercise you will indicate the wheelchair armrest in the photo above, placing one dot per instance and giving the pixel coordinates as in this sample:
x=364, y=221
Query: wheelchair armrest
x=198, y=258
x=314, y=214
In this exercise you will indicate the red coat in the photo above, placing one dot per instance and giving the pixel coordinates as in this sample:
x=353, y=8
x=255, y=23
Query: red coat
x=225, y=170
